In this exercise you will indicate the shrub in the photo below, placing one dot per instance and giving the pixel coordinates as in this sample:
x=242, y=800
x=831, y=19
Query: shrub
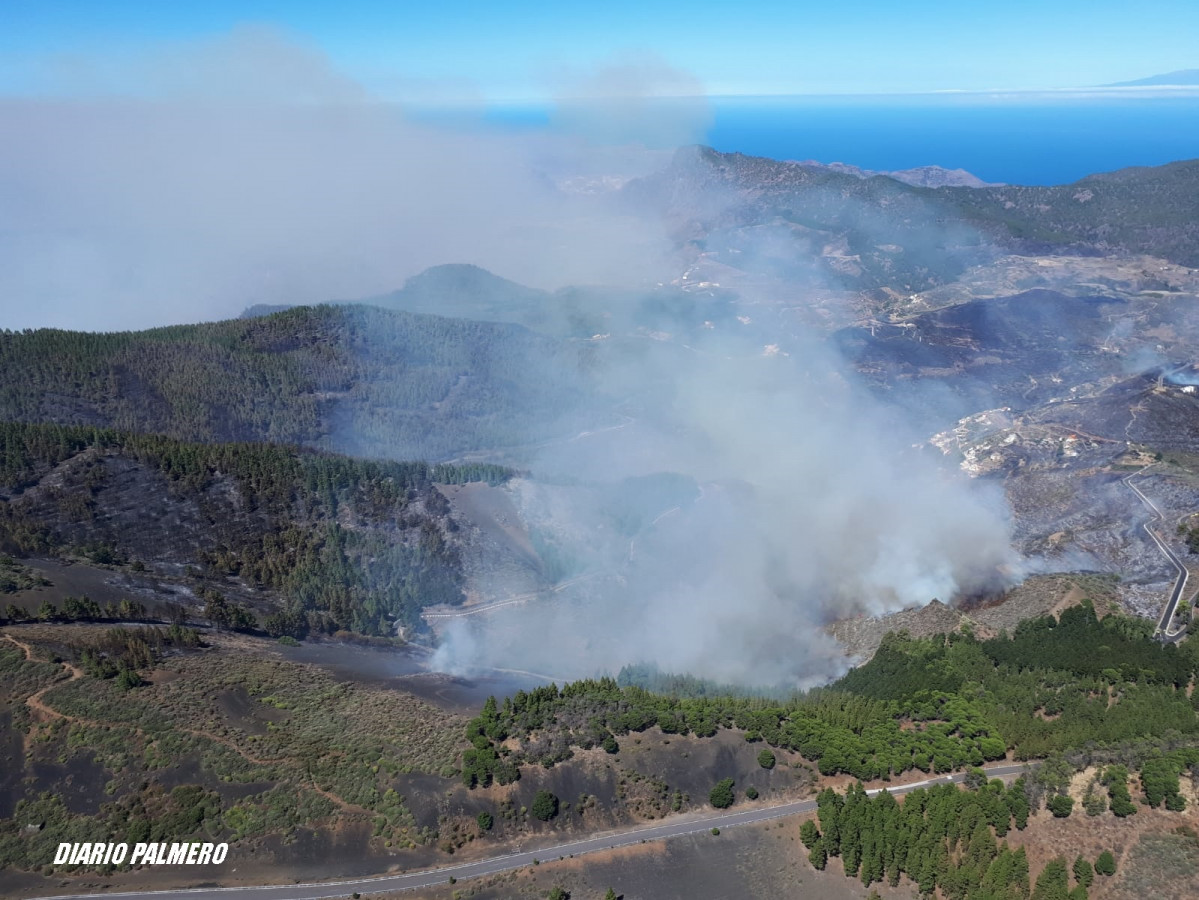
x=721, y=795
x=1094, y=803
x=975, y=779
x=485, y=821
x=1060, y=805
x=751, y=792
x=545, y=806
x=1106, y=863
x=766, y=759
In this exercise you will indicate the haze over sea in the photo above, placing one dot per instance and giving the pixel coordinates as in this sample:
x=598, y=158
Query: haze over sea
x=1021, y=138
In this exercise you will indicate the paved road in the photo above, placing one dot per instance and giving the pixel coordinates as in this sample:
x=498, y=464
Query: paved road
x=1180, y=583
x=431, y=877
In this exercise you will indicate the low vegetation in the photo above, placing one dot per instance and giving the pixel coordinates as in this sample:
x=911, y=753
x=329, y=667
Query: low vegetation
x=264, y=747
x=16, y=577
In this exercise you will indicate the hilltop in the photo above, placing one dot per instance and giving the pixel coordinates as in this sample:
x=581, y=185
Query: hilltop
x=354, y=379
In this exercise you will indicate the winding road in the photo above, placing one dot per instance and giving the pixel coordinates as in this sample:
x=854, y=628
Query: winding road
x=679, y=826
x=1180, y=583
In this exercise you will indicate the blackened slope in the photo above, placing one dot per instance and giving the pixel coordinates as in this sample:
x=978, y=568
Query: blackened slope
x=1144, y=409
x=329, y=542
x=1009, y=351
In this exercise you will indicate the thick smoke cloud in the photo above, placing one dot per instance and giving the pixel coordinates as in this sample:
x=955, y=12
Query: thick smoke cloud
x=804, y=508
x=636, y=98
x=207, y=177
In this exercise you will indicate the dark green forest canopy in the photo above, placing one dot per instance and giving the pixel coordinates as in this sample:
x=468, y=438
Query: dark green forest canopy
x=270, y=474
x=286, y=530
x=946, y=841
x=355, y=379
x=933, y=704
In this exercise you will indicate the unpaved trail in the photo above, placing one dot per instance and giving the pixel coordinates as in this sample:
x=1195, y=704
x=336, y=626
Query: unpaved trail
x=36, y=703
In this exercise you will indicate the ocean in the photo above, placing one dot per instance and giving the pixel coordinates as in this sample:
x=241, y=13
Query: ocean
x=1017, y=141
x=1035, y=138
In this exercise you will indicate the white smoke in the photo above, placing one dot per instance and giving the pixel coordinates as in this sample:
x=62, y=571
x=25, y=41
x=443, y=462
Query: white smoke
x=204, y=177
x=809, y=510
x=254, y=173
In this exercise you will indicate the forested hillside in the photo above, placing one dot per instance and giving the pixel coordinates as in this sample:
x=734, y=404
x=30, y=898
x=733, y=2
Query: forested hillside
x=933, y=704
x=353, y=379
x=1145, y=209
x=331, y=543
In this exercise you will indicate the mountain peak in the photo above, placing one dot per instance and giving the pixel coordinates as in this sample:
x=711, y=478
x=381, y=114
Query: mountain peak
x=459, y=278
x=1179, y=77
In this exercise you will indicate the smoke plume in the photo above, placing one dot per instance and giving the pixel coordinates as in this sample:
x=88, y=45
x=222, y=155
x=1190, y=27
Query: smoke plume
x=793, y=499
x=742, y=491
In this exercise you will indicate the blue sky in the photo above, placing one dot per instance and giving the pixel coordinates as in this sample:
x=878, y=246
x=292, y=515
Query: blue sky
x=533, y=50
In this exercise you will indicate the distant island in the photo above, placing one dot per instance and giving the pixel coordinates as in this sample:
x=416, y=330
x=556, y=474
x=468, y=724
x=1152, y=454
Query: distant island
x=1188, y=77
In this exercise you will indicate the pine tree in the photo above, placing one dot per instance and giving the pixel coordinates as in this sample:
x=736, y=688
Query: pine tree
x=1017, y=802
x=829, y=807
x=1052, y=883
x=1020, y=872
x=809, y=834
x=1084, y=874
x=817, y=856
